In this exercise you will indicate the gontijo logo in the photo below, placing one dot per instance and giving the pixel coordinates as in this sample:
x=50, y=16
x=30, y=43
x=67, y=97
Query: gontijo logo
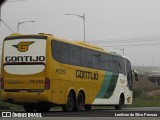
x=23, y=46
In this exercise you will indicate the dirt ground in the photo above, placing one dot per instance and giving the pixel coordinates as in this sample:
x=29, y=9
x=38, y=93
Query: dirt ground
x=154, y=93
x=149, y=87
x=145, y=84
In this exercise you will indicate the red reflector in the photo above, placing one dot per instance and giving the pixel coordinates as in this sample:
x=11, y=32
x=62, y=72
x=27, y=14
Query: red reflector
x=47, y=83
x=2, y=83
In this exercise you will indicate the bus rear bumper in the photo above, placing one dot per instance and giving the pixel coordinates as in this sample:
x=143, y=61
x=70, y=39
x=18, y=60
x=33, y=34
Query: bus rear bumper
x=28, y=97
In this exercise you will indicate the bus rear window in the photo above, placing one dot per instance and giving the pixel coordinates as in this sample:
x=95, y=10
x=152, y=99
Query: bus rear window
x=24, y=56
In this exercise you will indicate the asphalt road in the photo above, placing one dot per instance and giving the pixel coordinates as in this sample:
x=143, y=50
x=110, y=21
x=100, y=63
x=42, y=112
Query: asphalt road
x=145, y=113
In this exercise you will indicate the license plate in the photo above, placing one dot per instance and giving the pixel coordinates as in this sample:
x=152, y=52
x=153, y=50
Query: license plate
x=23, y=91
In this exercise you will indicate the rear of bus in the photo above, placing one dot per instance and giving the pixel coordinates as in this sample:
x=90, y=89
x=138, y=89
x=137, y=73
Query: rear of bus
x=24, y=80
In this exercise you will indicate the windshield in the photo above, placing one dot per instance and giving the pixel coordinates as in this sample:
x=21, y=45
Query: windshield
x=24, y=56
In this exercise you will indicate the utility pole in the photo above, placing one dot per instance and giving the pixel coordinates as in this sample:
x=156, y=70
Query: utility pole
x=84, y=26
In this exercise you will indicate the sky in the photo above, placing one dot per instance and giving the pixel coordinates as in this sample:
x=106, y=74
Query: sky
x=132, y=26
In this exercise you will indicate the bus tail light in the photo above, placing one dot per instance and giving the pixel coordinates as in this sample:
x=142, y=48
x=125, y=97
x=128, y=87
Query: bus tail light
x=47, y=83
x=2, y=83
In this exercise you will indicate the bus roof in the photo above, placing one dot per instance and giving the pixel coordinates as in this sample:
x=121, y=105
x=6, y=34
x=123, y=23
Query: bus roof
x=51, y=37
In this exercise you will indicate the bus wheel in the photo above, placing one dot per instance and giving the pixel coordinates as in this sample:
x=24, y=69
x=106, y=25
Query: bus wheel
x=121, y=103
x=70, y=103
x=80, y=102
x=87, y=107
x=29, y=108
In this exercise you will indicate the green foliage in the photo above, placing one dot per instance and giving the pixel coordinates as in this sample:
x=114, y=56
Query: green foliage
x=4, y=106
x=7, y=106
x=146, y=101
x=137, y=92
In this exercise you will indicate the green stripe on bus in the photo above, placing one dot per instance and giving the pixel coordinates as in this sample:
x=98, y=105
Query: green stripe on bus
x=105, y=84
x=108, y=85
x=112, y=85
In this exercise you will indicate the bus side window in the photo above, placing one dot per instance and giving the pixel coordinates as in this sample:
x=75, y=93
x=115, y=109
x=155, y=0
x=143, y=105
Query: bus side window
x=96, y=63
x=115, y=66
x=129, y=74
x=112, y=65
x=65, y=53
x=75, y=55
x=86, y=57
x=105, y=59
x=57, y=51
x=122, y=65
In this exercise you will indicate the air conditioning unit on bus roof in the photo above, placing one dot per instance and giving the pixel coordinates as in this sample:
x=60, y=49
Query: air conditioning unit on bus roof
x=44, y=34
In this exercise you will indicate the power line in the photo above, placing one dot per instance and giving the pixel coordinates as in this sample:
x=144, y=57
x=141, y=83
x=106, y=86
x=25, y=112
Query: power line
x=133, y=45
x=139, y=37
x=7, y=26
x=134, y=39
x=127, y=41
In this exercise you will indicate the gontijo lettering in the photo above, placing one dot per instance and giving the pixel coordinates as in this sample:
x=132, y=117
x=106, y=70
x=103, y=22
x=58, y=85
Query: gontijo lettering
x=25, y=58
x=86, y=75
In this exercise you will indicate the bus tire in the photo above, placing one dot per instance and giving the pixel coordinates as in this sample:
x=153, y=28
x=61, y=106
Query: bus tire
x=80, y=102
x=87, y=107
x=121, y=103
x=29, y=108
x=70, y=103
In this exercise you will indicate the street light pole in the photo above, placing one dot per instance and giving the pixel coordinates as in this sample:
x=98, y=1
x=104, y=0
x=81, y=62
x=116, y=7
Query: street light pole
x=5, y=2
x=122, y=50
x=0, y=15
x=84, y=27
x=83, y=17
x=19, y=23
